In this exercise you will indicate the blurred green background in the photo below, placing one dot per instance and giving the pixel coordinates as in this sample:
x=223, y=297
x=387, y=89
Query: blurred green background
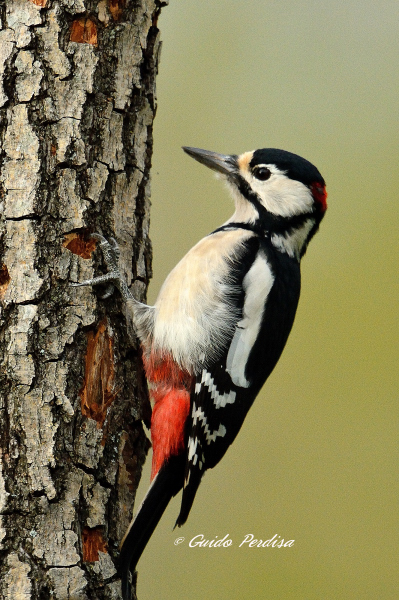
x=316, y=460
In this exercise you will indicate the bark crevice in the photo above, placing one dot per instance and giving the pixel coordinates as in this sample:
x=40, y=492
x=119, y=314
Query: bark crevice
x=77, y=103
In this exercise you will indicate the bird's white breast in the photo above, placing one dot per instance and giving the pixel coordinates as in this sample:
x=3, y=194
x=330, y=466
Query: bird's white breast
x=193, y=316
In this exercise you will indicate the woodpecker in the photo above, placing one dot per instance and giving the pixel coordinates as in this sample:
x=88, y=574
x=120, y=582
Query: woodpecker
x=219, y=324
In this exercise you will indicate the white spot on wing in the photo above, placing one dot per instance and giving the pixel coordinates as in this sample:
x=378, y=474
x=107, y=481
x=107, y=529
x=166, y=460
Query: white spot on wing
x=221, y=432
x=206, y=378
x=192, y=447
x=219, y=400
x=257, y=285
x=199, y=415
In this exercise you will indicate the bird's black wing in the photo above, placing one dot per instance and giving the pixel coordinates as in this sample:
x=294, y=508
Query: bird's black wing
x=221, y=395
x=223, y=392
x=218, y=409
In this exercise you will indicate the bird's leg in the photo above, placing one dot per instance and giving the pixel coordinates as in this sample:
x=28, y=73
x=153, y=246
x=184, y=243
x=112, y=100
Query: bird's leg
x=114, y=277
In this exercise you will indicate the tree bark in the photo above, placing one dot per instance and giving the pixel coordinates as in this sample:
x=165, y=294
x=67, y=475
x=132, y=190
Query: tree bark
x=77, y=102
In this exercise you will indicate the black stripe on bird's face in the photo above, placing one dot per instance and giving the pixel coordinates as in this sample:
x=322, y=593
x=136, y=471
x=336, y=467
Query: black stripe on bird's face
x=272, y=188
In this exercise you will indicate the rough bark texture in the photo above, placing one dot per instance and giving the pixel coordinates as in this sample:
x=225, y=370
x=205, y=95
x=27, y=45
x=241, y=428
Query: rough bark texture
x=77, y=102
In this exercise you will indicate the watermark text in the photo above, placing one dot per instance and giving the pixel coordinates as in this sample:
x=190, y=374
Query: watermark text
x=249, y=541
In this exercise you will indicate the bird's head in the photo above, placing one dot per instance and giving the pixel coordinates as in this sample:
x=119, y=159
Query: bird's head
x=278, y=191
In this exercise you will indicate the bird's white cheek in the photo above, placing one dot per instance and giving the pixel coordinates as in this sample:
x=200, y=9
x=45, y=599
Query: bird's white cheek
x=284, y=197
x=280, y=195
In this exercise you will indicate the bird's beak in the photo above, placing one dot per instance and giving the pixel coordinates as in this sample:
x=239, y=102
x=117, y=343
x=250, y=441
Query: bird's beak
x=222, y=163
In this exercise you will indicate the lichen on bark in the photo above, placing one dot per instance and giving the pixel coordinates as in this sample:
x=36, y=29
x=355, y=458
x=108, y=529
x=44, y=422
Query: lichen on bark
x=77, y=102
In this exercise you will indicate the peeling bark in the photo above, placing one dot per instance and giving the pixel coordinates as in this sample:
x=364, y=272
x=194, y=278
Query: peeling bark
x=77, y=102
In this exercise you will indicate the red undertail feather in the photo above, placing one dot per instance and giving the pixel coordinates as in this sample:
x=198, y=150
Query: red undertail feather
x=170, y=391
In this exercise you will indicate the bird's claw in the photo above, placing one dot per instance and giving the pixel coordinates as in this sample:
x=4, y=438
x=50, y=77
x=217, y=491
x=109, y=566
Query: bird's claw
x=113, y=278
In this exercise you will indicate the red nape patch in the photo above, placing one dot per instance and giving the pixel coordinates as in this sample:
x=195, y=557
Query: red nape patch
x=319, y=193
x=169, y=416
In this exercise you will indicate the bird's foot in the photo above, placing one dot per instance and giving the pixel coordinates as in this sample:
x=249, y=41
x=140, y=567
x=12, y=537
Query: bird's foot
x=113, y=278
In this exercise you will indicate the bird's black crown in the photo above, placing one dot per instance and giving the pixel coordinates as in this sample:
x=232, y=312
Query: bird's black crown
x=295, y=166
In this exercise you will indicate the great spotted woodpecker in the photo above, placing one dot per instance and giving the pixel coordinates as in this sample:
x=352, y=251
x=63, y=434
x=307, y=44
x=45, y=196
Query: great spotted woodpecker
x=219, y=325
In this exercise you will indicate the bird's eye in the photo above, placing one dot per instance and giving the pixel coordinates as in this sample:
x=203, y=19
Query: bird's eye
x=262, y=173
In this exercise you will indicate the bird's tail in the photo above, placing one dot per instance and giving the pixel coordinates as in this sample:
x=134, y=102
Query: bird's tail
x=166, y=484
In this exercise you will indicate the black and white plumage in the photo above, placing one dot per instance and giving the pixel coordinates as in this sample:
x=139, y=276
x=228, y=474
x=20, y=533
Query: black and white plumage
x=225, y=390
x=220, y=323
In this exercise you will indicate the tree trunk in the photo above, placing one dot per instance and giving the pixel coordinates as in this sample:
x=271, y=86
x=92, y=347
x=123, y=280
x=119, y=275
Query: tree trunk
x=77, y=102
